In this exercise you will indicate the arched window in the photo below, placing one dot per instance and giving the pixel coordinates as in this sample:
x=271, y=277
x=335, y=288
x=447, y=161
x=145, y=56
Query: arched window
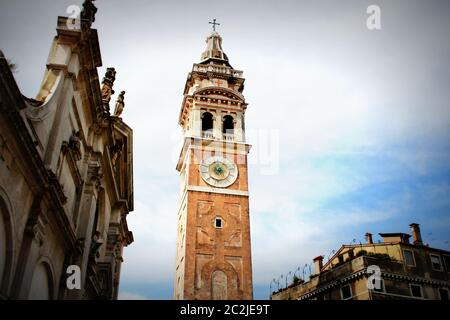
x=207, y=121
x=219, y=285
x=228, y=124
x=41, y=283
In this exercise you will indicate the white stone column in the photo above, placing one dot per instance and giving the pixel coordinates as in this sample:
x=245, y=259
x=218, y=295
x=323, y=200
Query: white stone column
x=238, y=130
x=85, y=223
x=218, y=125
x=196, y=125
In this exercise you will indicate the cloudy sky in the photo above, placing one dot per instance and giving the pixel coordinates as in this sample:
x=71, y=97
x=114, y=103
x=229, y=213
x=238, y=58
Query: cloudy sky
x=350, y=127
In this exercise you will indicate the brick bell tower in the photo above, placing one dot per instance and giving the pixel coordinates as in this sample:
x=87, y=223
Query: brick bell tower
x=213, y=243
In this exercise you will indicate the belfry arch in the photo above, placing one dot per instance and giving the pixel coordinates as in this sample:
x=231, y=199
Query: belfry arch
x=207, y=121
x=228, y=125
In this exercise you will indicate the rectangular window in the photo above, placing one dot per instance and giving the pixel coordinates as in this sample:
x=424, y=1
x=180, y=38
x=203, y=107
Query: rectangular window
x=218, y=223
x=443, y=294
x=436, y=262
x=409, y=258
x=416, y=290
x=346, y=292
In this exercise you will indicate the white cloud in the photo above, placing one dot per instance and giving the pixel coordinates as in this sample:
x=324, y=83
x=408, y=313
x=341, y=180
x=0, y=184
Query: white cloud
x=151, y=258
x=316, y=77
x=125, y=295
x=281, y=243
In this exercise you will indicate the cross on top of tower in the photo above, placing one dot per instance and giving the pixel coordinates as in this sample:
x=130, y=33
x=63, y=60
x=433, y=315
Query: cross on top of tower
x=214, y=23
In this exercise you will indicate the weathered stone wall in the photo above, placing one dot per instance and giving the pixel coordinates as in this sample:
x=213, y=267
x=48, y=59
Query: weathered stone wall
x=65, y=178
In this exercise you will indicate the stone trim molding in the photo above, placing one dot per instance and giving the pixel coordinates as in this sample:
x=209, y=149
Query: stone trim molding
x=218, y=190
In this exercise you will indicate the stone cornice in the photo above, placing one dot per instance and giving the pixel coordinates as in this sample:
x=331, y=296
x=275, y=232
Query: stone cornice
x=218, y=190
x=364, y=274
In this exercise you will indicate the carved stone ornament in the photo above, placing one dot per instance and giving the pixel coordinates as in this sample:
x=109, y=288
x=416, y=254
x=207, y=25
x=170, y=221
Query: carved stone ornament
x=75, y=145
x=96, y=243
x=95, y=174
x=89, y=11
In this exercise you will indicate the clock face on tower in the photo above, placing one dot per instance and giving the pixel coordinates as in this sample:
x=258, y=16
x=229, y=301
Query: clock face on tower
x=218, y=171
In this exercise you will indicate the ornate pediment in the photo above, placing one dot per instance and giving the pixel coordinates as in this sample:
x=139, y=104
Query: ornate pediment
x=219, y=93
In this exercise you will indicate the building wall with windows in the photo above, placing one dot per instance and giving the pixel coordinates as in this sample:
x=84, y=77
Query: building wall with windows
x=66, y=174
x=406, y=271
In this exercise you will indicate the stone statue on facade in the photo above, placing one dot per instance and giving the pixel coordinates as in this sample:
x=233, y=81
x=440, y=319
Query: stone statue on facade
x=107, y=87
x=75, y=144
x=89, y=11
x=96, y=243
x=120, y=104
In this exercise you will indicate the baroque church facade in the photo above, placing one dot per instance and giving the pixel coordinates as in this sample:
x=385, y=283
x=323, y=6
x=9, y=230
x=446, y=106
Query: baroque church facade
x=213, y=260
x=66, y=174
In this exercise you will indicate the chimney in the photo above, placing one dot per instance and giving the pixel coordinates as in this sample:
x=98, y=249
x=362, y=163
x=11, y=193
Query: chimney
x=318, y=264
x=369, y=238
x=415, y=231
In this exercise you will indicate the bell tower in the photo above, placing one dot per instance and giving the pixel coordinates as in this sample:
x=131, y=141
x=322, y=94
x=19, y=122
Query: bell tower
x=213, y=260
